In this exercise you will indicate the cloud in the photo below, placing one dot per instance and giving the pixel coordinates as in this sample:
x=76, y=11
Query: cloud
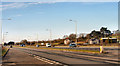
x=60, y=0
x=20, y=4
x=27, y=3
x=18, y=15
x=32, y=3
x=12, y=5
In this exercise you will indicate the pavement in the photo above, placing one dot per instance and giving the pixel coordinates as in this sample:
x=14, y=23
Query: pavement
x=16, y=57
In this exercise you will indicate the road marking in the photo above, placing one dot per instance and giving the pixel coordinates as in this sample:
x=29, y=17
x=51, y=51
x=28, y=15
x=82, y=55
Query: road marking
x=45, y=60
x=10, y=64
x=112, y=62
x=51, y=63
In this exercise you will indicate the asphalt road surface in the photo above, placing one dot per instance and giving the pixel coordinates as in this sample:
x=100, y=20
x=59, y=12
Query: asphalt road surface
x=16, y=57
x=111, y=50
x=43, y=56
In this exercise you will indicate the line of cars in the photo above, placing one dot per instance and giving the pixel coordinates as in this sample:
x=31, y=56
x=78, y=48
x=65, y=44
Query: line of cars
x=49, y=45
x=22, y=45
x=70, y=45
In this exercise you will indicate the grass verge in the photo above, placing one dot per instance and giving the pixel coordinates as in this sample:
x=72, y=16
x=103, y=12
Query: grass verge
x=59, y=49
x=4, y=50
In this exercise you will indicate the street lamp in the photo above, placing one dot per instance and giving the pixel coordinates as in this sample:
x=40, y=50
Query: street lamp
x=50, y=35
x=1, y=28
x=4, y=36
x=37, y=38
x=7, y=19
x=29, y=38
x=75, y=28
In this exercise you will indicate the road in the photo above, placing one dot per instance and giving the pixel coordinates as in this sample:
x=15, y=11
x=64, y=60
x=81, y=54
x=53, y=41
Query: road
x=91, y=48
x=111, y=50
x=16, y=57
x=60, y=57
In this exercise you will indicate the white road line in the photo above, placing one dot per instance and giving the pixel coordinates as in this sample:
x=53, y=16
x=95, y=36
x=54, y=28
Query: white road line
x=112, y=62
x=46, y=60
x=51, y=63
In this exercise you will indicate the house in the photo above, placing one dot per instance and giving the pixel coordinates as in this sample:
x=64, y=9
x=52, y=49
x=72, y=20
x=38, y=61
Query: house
x=67, y=41
x=116, y=34
x=42, y=43
x=94, y=41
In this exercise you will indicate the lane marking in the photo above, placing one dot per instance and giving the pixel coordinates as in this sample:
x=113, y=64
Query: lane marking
x=45, y=60
x=112, y=62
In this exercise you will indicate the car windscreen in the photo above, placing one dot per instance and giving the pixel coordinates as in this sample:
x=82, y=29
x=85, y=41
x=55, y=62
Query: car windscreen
x=73, y=44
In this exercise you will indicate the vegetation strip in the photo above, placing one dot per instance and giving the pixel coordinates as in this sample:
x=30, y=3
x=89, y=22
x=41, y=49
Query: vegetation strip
x=4, y=51
x=60, y=49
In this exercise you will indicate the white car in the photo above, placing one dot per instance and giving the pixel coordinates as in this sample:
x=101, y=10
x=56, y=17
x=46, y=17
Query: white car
x=48, y=45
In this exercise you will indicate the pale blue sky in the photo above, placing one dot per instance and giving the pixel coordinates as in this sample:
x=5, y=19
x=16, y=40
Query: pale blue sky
x=31, y=18
x=59, y=0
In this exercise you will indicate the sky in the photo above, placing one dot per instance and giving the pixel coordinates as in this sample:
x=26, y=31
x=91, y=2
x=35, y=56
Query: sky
x=32, y=19
x=60, y=0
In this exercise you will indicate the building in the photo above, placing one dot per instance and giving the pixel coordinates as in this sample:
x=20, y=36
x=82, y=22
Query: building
x=116, y=34
x=94, y=41
x=67, y=41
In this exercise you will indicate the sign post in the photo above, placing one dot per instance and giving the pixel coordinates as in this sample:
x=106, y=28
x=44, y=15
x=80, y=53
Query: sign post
x=101, y=46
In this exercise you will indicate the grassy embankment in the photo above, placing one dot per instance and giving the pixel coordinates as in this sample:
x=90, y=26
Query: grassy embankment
x=4, y=50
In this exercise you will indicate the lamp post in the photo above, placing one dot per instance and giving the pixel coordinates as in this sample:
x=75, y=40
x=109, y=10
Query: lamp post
x=4, y=36
x=50, y=35
x=75, y=28
x=1, y=28
x=37, y=38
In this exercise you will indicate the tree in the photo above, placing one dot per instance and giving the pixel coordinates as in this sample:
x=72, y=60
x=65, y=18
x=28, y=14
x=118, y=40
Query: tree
x=5, y=44
x=11, y=43
x=95, y=34
x=105, y=32
x=102, y=33
x=24, y=41
x=65, y=36
x=88, y=36
x=82, y=35
x=72, y=36
x=103, y=29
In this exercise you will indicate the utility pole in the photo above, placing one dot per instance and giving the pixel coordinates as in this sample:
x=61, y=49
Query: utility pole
x=1, y=31
x=37, y=38
x=50, y=35
x=75, y=29
x=1, y=41
x=4, y=36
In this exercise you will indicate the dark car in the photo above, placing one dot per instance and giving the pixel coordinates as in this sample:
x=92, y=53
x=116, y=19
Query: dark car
x=22, y=45
x=72, y=45
x=10, y=46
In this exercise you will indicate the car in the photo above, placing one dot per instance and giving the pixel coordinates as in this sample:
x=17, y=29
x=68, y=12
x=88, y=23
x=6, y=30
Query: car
x=10, y=46
x=48, y=45
x=22, y=45
x=37, y=45
x=85, y=43
x=72, y=45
